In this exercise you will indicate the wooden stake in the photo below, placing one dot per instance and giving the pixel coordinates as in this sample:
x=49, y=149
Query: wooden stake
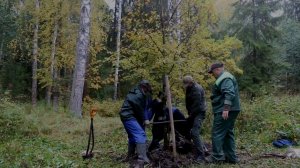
x=169, y=105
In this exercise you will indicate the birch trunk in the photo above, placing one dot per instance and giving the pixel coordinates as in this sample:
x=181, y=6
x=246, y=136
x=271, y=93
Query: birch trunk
x=178, y=34
x=53, y=61
x=81, y=59
x=178, y=21
x=119, y=24
x=35, y=55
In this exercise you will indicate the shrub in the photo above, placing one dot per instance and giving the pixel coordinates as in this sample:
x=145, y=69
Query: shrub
x=12, y=118
x=107, y=108
x=266, y=115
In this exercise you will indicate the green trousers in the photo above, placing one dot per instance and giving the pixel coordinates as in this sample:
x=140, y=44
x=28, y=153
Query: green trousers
x=223, y=144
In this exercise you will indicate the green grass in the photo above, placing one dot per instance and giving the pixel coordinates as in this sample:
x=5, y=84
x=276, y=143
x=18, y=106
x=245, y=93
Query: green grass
x=43, y=138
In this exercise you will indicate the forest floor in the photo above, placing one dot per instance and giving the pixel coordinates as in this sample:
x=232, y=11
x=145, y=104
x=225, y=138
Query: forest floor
x=42, y=138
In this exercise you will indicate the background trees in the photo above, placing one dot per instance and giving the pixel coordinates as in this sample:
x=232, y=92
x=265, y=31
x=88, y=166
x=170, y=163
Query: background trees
x=254, y=23
x=258, y=41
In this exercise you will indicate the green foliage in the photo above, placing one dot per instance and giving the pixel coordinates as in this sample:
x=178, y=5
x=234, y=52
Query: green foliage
x=289, y=49
x=106, y=108
x=254, y=23
x=150, y=49
x=265, y=116
x=13, y=121
x=8, y=27
x=15, y=78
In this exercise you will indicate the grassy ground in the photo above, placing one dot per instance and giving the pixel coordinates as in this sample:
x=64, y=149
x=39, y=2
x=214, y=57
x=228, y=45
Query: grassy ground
x=42, y=138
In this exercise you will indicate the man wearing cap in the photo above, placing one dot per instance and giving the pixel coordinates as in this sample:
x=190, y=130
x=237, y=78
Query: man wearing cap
x=196, y=107
x=226, y=107
x=133, y=117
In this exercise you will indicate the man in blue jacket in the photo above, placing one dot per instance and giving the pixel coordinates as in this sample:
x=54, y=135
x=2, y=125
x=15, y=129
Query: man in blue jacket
x=133, y=117
x=226, y=107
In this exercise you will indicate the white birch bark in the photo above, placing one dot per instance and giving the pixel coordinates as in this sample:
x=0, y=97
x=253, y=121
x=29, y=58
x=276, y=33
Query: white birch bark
x=117, y=64
x=35, y=55
x=81, y=59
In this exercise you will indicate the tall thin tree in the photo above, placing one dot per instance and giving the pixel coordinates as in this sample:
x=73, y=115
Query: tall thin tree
x=34, y=56
x=1, y=46
x=53, y=52
x=81, y=59
x=53, y=58
x=119, y=26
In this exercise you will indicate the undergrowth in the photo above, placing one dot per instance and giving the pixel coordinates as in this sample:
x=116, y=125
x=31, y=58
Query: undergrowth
x=43, y=138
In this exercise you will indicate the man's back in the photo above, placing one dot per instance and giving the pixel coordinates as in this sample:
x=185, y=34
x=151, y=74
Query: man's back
x=195, y=99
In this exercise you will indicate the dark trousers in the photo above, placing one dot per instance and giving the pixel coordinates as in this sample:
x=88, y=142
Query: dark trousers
x=195, y=124
x=158, y=135
x=223, y=142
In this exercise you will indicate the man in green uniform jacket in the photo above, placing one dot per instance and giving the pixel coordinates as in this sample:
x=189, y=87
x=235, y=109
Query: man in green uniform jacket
x=226, y=107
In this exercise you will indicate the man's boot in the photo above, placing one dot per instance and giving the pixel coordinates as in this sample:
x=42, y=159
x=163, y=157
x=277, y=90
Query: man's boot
x=141, y=150
x=130, y=153
x=200, y=157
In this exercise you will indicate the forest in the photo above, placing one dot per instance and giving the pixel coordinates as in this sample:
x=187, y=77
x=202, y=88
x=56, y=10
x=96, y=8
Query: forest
x=60, y=58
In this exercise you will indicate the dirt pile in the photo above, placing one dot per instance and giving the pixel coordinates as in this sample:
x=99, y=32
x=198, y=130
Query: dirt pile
x=164, y=158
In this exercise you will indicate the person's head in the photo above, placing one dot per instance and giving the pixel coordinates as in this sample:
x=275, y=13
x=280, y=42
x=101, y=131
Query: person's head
x=146, y=87
x=188, y=81
x=216, y=69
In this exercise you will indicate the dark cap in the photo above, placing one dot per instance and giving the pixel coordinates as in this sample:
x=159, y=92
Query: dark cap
x=214, y=66
x=146, y=85
x=144, y=82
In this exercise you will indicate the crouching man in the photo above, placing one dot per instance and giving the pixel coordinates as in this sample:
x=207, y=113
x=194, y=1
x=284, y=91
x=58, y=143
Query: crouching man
x=133, y=118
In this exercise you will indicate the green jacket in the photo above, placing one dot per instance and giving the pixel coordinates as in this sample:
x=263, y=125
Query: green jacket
x=134, y=106
x=225, y=92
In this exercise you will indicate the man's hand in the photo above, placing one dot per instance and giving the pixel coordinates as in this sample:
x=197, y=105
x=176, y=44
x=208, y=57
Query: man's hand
x=225, y=114
x=146, y=122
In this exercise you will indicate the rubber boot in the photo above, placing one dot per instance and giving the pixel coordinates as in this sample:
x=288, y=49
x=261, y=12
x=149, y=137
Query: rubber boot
x=130, y=153
x=141, y=150
x=200, y=158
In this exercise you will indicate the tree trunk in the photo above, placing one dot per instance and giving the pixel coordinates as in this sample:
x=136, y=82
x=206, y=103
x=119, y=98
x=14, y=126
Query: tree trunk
x=56, y=92
x=178, y=34
x=35, y=55
x=1, y=47
x=81, y=59
x=178, y=21
x=169, y=105
x=254, y=32
x=119, y=24
x=53, y=62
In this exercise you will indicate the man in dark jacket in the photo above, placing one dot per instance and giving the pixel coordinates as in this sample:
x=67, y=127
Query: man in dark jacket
x=226, y=107
x=196, y=107
x=132, y=115
x=161, y=114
